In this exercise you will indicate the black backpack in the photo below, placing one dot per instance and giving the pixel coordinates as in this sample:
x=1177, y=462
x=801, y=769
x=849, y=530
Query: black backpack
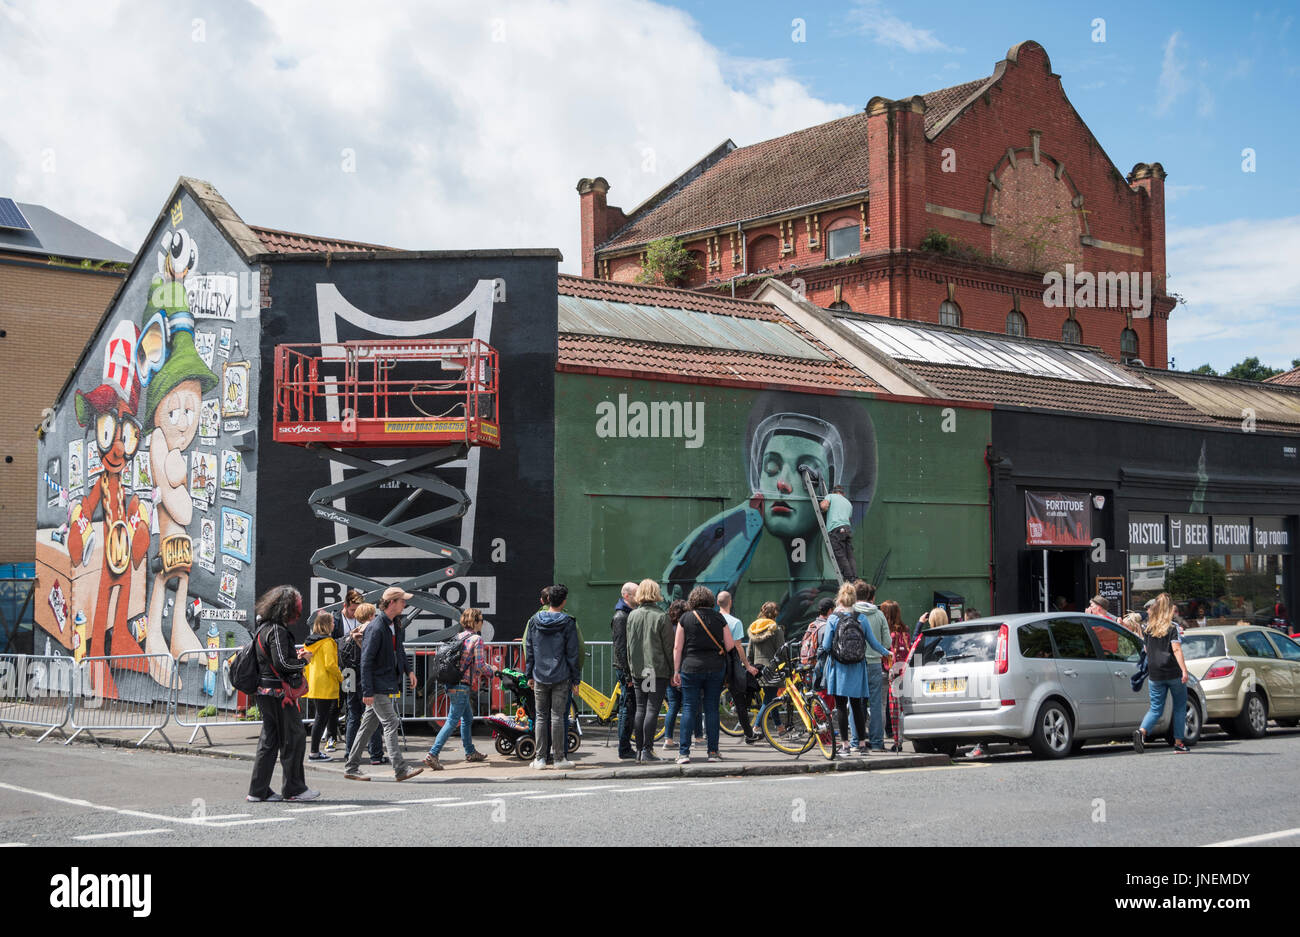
x=245, y=673
x=849, y=646
x=447, y=664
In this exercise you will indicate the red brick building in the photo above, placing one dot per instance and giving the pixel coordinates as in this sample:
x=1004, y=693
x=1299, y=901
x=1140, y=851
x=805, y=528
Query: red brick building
x=948, y=207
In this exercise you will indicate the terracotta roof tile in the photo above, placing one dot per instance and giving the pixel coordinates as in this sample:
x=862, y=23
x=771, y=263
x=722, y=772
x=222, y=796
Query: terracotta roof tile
x=700, y=363
x=580, y=352
x=1022, y=390
x=287, y=242
x=667, y=296
x=807, y=167
x=1288, y=378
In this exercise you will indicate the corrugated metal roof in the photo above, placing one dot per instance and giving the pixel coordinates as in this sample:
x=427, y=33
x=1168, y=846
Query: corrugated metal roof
x=1232, y=400
x=671, y=326
x=914, y=342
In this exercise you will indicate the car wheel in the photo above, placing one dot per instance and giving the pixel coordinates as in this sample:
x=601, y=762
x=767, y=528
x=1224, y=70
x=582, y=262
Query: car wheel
x=1053, y=735
x=1253, y=721
x=1192, y=727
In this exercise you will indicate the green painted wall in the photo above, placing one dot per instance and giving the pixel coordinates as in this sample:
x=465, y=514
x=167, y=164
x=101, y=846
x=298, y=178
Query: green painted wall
x=629, y=491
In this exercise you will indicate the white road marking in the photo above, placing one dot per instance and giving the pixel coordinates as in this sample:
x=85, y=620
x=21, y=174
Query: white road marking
x=215, y=826
x=977, y=764
x=599, y=787
x=225, y=816
x=472, y=803
x=638, y=790
x=418, y=800
x=1261, y=838
x=123, y=833
x=712, y=783
x=120, y=811
x=556, y=796
x=517, y=793
x=353, y=813
x=3, y=845
x=323, y=807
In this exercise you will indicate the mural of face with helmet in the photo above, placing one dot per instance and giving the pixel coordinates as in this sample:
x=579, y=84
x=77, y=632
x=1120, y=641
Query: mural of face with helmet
x=784, y=446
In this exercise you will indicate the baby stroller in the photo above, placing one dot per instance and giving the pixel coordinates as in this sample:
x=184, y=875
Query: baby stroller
x=513, y=734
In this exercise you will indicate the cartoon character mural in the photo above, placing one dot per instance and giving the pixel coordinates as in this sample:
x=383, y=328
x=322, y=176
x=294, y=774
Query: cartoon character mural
x=174, y=379
x=838, y=444
x=110, y=409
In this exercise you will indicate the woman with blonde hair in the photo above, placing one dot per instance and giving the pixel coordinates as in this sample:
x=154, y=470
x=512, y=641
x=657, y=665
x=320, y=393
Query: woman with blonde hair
x=650, y=662
x=845, y=680
x=323, y=681
x=1166, y=673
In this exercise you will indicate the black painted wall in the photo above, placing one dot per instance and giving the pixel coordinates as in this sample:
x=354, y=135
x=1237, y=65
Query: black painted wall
x=512, y=526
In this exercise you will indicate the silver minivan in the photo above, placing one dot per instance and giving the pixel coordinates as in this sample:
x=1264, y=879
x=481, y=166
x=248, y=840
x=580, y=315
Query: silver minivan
x=1054, y=680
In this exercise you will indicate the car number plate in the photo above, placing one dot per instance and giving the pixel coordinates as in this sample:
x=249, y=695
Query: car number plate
x=947, y=685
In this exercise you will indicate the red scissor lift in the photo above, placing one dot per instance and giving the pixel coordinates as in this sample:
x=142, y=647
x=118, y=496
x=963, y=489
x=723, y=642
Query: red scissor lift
x=432, y=398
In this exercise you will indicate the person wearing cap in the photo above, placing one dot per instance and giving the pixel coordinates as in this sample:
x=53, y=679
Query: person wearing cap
x=109, y=410
x=384, y=666
x=839, y=515
x=174, y=380
x=1100, y=606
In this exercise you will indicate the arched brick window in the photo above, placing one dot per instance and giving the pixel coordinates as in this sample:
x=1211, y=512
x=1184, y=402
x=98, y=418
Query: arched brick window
x=1128, y=345
x=841, y=306
x=949, y=313
x=764, y=253
x=1016, y=324
x=1071, y=331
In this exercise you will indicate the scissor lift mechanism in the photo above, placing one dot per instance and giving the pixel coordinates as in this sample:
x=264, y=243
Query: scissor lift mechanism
x=390, y=394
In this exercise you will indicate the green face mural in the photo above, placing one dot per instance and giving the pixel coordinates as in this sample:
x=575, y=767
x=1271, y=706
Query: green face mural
x=726, y=506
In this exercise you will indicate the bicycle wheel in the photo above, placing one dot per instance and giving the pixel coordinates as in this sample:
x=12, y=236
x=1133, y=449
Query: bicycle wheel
x=783, y=727
x=823, y=725
x=661, y=721
x=728, y=720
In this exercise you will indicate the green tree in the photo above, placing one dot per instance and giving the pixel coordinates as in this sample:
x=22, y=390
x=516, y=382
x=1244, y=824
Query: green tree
x=1206, y=369
x=1200, y=578
x=1251, y=370
x=667, y=263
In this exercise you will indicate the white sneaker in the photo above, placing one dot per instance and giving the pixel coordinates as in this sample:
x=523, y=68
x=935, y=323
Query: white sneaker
x=564, y=765
x=305, y=795
x=539, y=764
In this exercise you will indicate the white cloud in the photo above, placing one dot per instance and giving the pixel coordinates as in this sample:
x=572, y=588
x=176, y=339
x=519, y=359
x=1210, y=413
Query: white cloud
x=1174, y=192
x=460, y=141
x=1172, y=82
x=1242, y=298
x=883, y=27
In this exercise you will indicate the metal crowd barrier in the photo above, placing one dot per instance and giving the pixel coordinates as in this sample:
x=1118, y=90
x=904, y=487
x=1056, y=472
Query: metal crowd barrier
x=36, y=691
x=142, y=700
x=202, y=696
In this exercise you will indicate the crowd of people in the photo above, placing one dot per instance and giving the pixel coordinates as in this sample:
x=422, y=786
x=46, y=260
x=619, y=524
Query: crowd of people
x=355, y=661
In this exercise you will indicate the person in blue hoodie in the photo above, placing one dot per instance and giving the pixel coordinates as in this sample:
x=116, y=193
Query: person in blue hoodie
x=553, y=668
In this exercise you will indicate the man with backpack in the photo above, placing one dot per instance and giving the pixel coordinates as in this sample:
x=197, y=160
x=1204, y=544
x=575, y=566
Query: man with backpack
x=878, y=659
x=384, y=666
x=457, y=667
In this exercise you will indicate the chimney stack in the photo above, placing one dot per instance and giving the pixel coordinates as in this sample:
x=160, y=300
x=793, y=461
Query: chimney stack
x=595, y=220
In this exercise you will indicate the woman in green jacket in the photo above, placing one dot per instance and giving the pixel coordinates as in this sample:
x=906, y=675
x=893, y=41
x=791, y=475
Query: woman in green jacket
x=650, y=660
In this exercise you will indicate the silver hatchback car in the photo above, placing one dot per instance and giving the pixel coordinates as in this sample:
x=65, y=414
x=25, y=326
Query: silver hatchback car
x=1054, y=680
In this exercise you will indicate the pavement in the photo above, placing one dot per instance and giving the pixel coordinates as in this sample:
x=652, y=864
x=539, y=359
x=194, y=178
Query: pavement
x=594, y=760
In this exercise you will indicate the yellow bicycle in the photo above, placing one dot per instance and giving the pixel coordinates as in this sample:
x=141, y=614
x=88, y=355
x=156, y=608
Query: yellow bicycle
x=798, y=718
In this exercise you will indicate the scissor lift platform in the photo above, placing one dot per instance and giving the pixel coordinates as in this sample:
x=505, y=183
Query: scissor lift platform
x=401, y=393
x=432, y=399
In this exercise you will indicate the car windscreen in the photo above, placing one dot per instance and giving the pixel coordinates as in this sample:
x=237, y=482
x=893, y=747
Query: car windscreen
x=958, y=645
x=1196, y=646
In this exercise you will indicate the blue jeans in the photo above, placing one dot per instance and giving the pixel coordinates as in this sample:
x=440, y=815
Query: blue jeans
x=876, y=702
x=1157, y=689
x=675, y=707
x=701, y=689
x=458, y=712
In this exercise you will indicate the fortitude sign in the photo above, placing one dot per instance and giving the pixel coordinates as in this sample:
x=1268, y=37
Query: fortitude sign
x=1058, y=519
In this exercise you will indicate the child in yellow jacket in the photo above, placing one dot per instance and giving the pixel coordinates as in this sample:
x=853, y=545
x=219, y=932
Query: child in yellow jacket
x=323, y=680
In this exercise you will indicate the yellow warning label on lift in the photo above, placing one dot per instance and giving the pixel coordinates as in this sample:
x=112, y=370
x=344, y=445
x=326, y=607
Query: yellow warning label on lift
x=488, y=429
x=424, y=426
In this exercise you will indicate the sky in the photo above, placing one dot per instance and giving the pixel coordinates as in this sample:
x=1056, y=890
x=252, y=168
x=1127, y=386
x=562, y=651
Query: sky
x=441, y=125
